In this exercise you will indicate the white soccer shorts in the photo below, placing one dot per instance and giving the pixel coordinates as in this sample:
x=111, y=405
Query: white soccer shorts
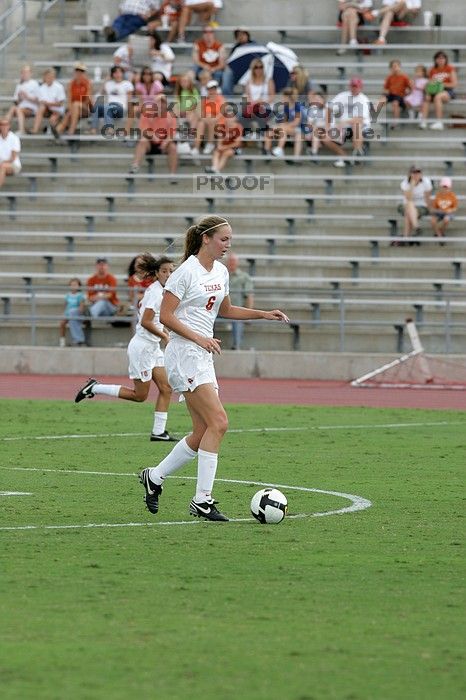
x=143, y=356
x=188, y=366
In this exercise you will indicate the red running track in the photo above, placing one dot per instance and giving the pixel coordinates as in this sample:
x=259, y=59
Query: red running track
x=273, y=391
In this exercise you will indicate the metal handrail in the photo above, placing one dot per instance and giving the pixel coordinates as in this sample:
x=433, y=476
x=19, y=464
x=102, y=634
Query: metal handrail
x=45, y=7
x=21, y=30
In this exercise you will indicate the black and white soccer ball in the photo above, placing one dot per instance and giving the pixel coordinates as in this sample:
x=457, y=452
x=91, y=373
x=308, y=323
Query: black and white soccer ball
x=269, y=506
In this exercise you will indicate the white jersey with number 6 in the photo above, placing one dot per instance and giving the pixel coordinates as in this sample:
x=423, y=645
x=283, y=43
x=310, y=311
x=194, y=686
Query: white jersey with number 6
x=200, y=293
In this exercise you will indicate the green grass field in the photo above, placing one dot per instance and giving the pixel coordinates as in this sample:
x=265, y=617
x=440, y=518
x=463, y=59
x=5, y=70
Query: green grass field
x=360, y=606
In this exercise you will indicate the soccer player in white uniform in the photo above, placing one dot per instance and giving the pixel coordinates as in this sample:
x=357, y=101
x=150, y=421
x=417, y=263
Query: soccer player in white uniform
x=195, y=293
x=145, y=356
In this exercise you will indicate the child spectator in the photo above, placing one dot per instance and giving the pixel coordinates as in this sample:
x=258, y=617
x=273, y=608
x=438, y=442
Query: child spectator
x=75, y=303
x=204, y=77
x=444, y=205
x=351, y=14
x=26, y=99
x=188, y=99
x=10, y=147
x=52, y=98
x=209, y=54
x=415, y=99
x=395, y=10
x=210, y=112
x=440, y=89
x=416, y=202
x=230, y=134
x=158, y=134
x=79, y=101
x=287, y=126
x=102, y=291
x=396, y=86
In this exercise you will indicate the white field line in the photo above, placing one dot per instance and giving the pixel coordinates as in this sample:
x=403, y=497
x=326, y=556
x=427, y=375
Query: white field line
x=368, y=426
x=15, y=493
x=358, y=503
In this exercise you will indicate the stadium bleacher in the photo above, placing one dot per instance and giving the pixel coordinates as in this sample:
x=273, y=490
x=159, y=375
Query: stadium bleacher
x=328, y=232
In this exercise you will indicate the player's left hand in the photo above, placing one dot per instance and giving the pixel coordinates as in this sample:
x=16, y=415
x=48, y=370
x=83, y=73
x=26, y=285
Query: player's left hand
x=276, y=315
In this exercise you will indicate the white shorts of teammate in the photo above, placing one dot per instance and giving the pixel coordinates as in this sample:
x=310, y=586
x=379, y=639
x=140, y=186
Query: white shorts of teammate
x=188, y=366
x=143, y=356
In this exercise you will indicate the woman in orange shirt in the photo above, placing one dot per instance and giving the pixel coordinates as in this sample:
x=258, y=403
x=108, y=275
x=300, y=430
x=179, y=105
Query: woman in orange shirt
x=79, y=101
x=444, y=75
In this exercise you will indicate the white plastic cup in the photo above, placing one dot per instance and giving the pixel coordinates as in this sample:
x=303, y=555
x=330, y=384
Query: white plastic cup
x=428, y=18
x=97, y=74
x=165, y=21
x=106, y=20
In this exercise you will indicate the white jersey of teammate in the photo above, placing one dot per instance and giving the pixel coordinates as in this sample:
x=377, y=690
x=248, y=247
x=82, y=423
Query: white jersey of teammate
x=152, y=299
x=200, y=293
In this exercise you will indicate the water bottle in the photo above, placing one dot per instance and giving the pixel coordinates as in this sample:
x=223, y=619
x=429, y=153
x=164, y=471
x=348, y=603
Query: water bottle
x=105, y=20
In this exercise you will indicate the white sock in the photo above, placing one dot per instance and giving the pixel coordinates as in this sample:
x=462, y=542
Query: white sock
x=206, y=469
x=160, y=421
x=180, y=455
x=108, y=389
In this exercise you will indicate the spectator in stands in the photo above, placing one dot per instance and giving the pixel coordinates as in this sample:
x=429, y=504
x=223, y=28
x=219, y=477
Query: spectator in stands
x=206, y=9
x=287, y=125
x=158, y=136
x=117, y=93
x=395, y=11
x=352, y=13
x=52, y=98
x=209, y=54
x=299, y=80
x=211, y=107
x=79, y=101
x=10, y=147
x=134, y=14
x=75, y=303
x=147, y=87
x=123, y=57
x=444, y=205
x=352, y=112
x=439, y=90
x=203, y=79
x=102, y=291
x=162, y=58
x=415, y=99
x=170, y=16
x=318, y=125
x=416, y=202
x=26, y=99
x=188, y=100
x=136, y=284
x=241, y=294
x=229, y=133
x=259, y=92
x=396, y=86
x=242, y=38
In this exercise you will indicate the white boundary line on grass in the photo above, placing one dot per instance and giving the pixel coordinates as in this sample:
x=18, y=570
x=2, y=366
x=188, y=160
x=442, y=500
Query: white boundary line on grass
x=358, y=503
x=86, y=436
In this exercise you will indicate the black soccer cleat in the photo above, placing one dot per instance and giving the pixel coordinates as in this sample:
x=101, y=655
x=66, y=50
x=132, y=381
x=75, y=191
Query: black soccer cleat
x=153, y=491
x=86, y=391
x=207, y=510
x=163, y=437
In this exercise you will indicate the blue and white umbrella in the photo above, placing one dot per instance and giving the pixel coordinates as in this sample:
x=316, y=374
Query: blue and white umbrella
x=278, y=62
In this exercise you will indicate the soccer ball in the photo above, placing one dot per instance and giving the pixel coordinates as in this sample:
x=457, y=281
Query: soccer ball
x=269, y=506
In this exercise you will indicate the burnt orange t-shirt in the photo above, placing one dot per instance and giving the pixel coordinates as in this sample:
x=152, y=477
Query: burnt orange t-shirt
x=443, y=75
x=108, y=283
x=445, y=201
x=209, y=54
x=228, y=133
x=211, y=107
x=158, y=129
x=397, y=84
x=80, y=90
